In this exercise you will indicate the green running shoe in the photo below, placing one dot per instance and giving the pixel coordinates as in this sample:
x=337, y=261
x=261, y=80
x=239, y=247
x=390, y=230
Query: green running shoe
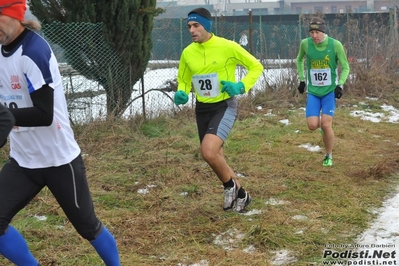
x=327, y=161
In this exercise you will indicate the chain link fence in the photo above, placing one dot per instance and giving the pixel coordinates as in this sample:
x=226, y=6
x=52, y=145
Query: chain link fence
x=274, y=40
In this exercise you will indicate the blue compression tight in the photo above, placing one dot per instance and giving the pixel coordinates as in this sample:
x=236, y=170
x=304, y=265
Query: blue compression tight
x=14, y=247
x=105, y=246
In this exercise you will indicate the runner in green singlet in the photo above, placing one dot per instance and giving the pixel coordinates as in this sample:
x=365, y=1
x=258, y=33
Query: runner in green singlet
x=324, y=84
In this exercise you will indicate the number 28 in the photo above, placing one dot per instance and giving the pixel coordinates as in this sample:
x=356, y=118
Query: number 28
x=205, y=84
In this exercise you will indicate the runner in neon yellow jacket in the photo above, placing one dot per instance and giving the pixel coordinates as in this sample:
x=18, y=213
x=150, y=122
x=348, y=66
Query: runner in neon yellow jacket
x=217, y=59
x=209, y=66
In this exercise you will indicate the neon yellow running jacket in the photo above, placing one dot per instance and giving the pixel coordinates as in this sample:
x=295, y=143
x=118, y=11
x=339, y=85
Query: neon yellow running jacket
x=203, y=65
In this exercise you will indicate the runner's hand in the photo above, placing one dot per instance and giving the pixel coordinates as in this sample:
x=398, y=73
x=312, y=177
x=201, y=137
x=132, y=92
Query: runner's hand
x=232, y=88
x=301, y=87
x=181, y=97
x=338, y=92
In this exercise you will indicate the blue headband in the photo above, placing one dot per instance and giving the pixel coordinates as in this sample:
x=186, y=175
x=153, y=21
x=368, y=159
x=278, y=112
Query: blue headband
x=206, y=23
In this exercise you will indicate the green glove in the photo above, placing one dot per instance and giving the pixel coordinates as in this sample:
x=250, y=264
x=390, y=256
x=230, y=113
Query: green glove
x=181, y=97
x=232, y=88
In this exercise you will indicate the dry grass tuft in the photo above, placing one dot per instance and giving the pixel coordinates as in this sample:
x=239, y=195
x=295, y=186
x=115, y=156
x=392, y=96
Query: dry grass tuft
x=383, y=168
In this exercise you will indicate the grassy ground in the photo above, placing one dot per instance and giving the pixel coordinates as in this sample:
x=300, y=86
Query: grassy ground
x=298, y=205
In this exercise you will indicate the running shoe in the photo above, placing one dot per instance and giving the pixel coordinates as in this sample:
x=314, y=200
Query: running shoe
x=327, y=161
x=241, y=204
x=230, y=197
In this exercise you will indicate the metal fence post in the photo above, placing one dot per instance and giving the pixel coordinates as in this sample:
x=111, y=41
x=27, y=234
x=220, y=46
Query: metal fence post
x=260, y=35
x=181, y=35
x=300, y=27
x=143, y=96
x=250, y=31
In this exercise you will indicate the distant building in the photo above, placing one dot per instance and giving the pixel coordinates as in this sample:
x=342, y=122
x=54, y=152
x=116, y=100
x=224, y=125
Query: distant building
x=180, y=8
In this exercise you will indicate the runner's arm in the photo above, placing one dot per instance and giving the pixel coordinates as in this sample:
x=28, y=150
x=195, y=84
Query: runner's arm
x=6, y=123
x=343, y=61
x=41, y=114
x=303, y=48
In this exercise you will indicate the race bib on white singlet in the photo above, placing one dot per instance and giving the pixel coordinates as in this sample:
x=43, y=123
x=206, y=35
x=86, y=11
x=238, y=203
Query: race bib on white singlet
x=206, y=85
x=320, y=77
x=22, y=129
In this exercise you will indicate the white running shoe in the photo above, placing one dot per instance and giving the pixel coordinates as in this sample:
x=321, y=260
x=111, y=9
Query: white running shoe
x=230, y=197
x=241, y=204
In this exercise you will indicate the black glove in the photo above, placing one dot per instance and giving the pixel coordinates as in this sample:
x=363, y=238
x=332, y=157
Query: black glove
x=338, y=92
x=301, y=87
